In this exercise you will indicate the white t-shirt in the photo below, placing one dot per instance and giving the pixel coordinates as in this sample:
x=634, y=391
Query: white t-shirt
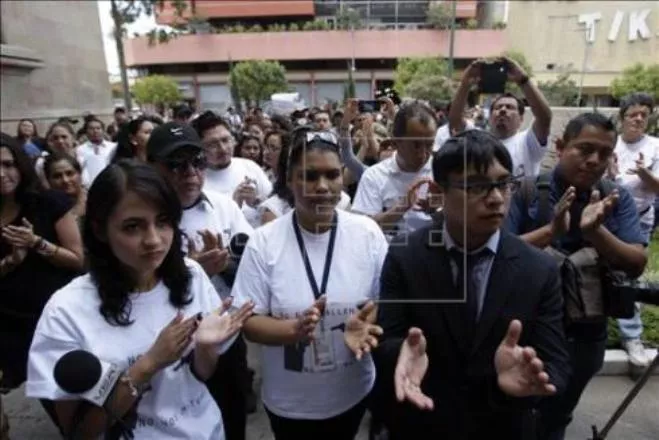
x=96, y=157
x=179, y=405
x=279, y=206
x=526, y=152
x=628, y=154
x=225, y=181
x=384, y=184
x=273, y=275
x=219, y=214
x=444, y=134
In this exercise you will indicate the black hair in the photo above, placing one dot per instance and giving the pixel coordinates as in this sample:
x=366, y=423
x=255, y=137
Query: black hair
x=476, y=148
x=154, y=119
x=113, y=281
x=182, y=111
x=576, y=124
x=283, y=122
x=643, y=99
x=119, y=110
x=125, y=149
x=207, y=121
x=520, y=104
x=57, y=156
x=29, y=183
x=89, y=120
x=291, y=155
x=19, y=136
x=243, y=139
x=412, y=110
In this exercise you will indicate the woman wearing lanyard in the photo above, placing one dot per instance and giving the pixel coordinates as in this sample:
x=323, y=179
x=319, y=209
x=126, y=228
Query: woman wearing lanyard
x=307, y=272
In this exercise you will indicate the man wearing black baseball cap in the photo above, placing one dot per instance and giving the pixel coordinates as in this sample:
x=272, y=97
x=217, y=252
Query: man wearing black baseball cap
x=210, y=222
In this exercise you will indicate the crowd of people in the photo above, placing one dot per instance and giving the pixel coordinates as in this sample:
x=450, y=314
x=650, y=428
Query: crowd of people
x=400, y=261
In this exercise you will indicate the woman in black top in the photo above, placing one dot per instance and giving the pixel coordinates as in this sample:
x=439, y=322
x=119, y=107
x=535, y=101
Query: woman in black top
x=40, y=251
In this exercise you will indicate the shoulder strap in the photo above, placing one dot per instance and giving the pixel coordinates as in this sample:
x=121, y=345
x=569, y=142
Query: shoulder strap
x=542, y=185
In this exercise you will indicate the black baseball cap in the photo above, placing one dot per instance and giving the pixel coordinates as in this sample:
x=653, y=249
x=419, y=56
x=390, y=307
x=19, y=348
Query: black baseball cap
x=168, y=138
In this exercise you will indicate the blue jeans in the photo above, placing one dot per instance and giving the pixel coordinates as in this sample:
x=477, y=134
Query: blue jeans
x=586, y=359
x=632, y=328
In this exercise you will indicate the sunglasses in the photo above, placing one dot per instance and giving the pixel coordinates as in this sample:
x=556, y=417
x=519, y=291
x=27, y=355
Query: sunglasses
x=197, y=162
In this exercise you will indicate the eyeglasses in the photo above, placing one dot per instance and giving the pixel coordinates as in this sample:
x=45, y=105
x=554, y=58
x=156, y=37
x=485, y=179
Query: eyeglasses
x=197, y=162
x=484, y=188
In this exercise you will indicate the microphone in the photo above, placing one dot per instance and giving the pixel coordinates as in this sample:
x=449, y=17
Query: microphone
x=237, y=244
x=80, y=372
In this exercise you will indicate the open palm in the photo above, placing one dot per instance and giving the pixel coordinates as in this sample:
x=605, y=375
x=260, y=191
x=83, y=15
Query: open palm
x=217, y=327
x=520, y=373
x=411, y=369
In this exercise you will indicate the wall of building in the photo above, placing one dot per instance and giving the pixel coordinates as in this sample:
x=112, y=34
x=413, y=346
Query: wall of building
x=552, y=36
x=52, y=62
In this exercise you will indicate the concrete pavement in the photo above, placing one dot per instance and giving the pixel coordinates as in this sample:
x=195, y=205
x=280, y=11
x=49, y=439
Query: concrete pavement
x=640, y=421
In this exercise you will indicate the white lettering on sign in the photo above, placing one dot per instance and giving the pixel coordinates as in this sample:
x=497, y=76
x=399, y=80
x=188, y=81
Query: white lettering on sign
x=589, y=21
x=638, y=25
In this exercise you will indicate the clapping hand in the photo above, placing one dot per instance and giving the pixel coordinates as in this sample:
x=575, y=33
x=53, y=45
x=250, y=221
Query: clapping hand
x=594, y=214
x=520, y=372
x=20, y=236
x=428, y=204
x=561, y=222
x=218, y=326
x=213, y=257
x=410, y=370
x=360, y=334
x=172, y=341
x=305, y=325
x=639, y=165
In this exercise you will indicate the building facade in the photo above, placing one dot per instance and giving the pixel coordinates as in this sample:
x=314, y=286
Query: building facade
x=593, y=41
x=316, y=48
x=52, y=62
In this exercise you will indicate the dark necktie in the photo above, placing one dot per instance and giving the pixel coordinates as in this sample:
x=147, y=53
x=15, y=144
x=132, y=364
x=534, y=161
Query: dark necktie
x=468, y=283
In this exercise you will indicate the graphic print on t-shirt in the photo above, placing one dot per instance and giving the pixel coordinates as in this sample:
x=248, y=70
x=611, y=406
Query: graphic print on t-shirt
x=327, y=351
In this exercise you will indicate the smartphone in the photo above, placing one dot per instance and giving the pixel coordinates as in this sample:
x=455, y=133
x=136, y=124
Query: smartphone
x=493, y=77
x=368, y=106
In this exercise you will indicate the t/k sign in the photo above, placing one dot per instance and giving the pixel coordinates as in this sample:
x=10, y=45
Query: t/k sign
x=638, y=24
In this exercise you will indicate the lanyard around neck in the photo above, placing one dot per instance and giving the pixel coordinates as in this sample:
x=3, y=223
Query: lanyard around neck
x=305, y=257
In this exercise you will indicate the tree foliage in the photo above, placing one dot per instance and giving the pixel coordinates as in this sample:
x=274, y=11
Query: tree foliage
x=257, y=80
x=158, y=90
x=439, y=15
x=348, y=18
x=520, y=59
x=430, y=88
x=638, y=78
x=561, y=92
x=416, y=70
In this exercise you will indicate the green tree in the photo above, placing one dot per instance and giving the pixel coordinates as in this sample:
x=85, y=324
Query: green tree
x=126, y=12
x=520, y=59
x=409, y=70
x=157, y=90
x=430, y=88
x=439, y=15
x=256, y=80
x=348, y=18
x=638, y=78
x=561, y=92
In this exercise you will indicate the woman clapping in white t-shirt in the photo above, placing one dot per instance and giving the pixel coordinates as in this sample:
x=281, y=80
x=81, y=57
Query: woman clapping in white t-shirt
x=307, y=272
x=143, y=308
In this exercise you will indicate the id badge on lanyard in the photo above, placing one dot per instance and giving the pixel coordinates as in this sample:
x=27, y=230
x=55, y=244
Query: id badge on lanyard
x=322, y=346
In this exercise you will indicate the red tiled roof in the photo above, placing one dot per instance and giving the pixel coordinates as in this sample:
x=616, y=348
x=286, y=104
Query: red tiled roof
x=315, y=45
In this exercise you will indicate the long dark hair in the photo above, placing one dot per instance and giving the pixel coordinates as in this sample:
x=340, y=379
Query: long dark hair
x=20, y=136
x=125, y=149
x=30, y=183
x=113, y=280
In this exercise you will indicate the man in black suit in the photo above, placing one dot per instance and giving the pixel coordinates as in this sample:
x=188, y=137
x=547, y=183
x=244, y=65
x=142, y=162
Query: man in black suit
x=470, y=342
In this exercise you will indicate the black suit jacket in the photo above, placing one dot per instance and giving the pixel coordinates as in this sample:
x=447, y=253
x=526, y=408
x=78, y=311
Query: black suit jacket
x=461, y=378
